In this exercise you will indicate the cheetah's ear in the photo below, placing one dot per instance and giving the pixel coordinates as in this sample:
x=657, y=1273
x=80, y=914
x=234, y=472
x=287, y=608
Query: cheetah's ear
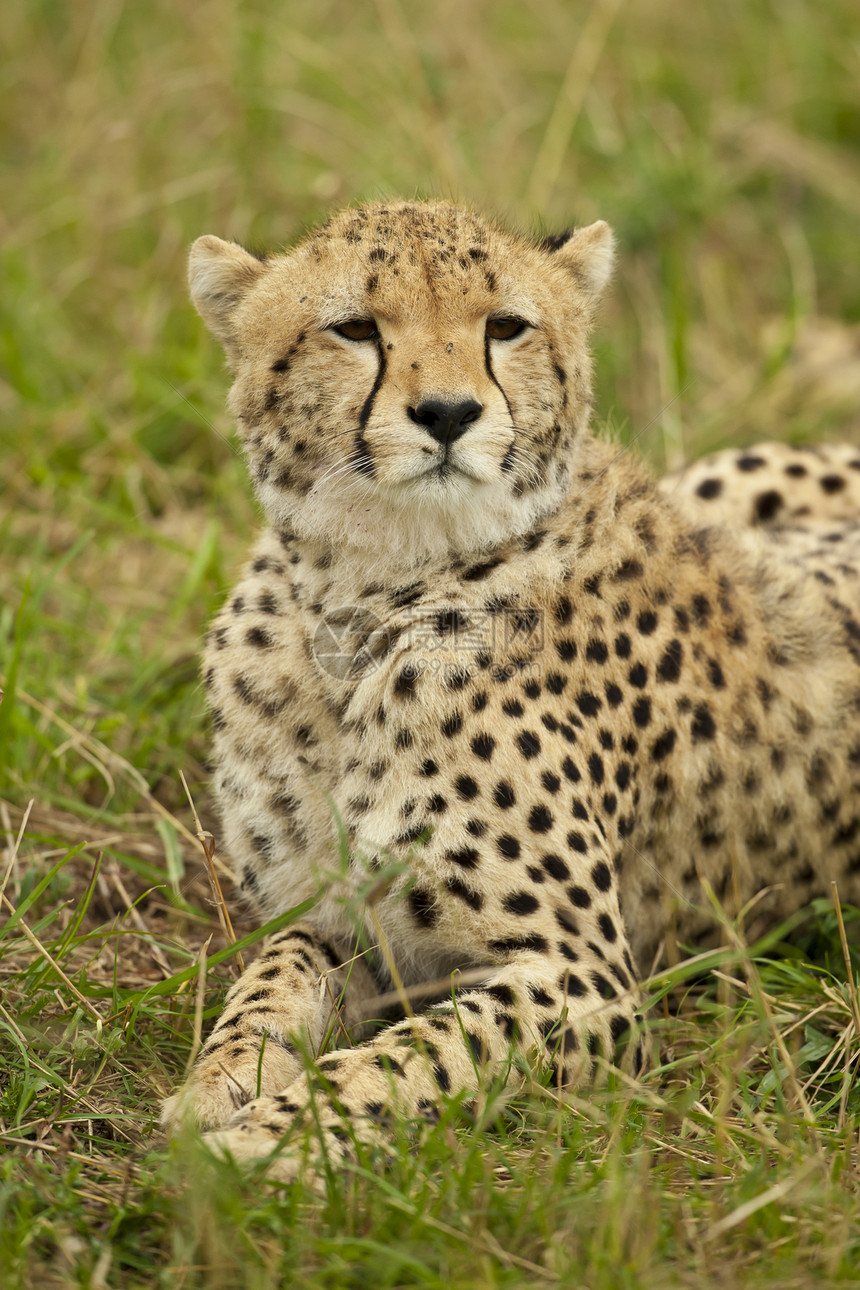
x=589, y=254
x=219, y=275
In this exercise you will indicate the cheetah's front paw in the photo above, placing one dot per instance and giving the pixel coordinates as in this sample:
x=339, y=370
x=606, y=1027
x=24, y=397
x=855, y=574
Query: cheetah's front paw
x=219, y=1086
x=250, y=1142
x=261, y=1132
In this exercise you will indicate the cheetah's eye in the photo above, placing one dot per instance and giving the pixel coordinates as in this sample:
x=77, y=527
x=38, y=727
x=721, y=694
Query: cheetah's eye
x=357, y=329
x=505, y=328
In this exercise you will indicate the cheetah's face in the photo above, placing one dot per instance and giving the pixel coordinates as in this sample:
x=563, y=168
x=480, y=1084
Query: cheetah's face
x=409, y=374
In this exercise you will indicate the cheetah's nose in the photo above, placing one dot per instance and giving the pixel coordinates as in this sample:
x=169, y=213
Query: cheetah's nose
x=446, y=422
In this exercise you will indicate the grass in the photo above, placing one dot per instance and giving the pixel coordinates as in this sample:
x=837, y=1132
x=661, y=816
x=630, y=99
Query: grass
x=721, y=143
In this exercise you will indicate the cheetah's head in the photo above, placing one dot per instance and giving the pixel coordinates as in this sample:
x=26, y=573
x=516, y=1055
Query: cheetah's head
x=410, y=376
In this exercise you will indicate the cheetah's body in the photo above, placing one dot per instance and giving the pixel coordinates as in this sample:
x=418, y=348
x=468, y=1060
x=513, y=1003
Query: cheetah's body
x=535, y=688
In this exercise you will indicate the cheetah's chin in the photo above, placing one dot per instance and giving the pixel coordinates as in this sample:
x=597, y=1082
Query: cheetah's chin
x=424, y=521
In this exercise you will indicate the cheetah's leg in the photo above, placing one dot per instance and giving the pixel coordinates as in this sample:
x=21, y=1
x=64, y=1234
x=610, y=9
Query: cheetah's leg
x=284, y=1002
x=532, y=1006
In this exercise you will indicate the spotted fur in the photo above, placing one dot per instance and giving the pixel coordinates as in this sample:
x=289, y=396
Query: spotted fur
x=530, y=687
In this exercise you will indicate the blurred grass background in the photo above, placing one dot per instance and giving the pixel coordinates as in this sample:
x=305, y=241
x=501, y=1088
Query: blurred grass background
x=720, y=141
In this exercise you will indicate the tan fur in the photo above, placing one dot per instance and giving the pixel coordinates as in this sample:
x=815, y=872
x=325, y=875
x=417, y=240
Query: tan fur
x=522, y=684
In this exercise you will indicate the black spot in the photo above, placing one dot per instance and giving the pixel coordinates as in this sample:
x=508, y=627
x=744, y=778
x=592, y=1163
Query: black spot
x=570, y=984
x=551, y=782
x=476, y=1046
x=532, y=541
x=260, y=637
x=412, y=835
x=579, y=897
x=663, y=745
x=577, y=842
x=613, y=693
x=588, y=704
x=386, y=1062
x=767, y=504
x=832, y=483
x=595, y=768
x=555, y=867
x=508, y=846
x=646, y=622
x=483, y=745
x=404, y=596
x=628, y=571
x=479, y=571
x=467, y=858
x=441, y=1076
x=607, y=927
x=601, y=876
x=749, y=461
x=450, y=621
x=709, y=488
x=504, y=795
x=571, y=771
x=701, y=607
x=736, y=634
x=703, y=726
x=466, y=787
x=622, y=645
x=452, y=725
x=669, y=667
x=502, y=994
x=406, y=681
x=422, y=906
x=521, y=903
x=528, y=744
x=509, y=945
x=540, y=819
x=715, y=674
x=603, y=987
x=596, y=651
x=459, y=889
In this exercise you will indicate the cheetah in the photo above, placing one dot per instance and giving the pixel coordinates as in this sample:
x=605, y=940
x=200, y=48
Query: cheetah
x=491, y=707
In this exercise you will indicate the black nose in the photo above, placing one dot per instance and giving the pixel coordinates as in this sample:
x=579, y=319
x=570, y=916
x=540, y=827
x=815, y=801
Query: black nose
x=446, y=422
